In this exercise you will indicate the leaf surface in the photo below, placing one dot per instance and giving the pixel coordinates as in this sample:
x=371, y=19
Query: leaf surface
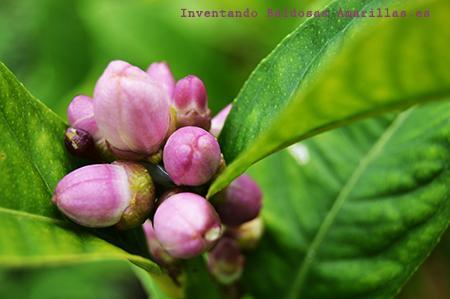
x=331, y=71
x=353, y=213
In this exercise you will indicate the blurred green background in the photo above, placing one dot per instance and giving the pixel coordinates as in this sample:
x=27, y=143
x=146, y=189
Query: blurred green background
x=58, y=48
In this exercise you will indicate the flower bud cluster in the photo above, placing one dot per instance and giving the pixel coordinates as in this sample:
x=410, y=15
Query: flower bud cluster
x=159, y=133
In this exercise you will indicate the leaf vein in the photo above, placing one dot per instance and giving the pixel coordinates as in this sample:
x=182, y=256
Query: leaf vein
x=339, y=202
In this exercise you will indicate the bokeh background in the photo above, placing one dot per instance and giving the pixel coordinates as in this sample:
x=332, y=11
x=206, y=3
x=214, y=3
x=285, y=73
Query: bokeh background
x=58, y=48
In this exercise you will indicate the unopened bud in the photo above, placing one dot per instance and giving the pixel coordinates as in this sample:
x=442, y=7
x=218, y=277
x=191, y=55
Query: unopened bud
x=160, y=72
x=186, y=225
x=225, y=261
x=248, y=234
x=102, y=195
x=131, y=110
x=80, y=143
x=191, y=156
x=80, y=114
x=156, y=250
x=239, y=202
x=191, y=103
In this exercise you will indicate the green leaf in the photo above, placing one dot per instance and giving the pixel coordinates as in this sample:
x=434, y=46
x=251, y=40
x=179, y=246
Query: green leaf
x=353, y=213
x=331, y=71
x=32, y=160
x=107, y=279
x=199, y=283
x=158, y=286
x=196, y=281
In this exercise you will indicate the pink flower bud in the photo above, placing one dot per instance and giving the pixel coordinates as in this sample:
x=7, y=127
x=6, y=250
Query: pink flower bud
x=131, y=110
x=239, y=202
x=160, y=72
x=80, y=114
x=156, y=250
x=191, y=103
x=186, y=225
x=219, y=120
x=80, y=143
x=225, y=262
x=248, y=234
x=191, y=156
x=102, y=195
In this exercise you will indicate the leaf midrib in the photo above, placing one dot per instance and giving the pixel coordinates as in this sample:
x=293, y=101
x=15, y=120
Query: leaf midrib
x=339, y=202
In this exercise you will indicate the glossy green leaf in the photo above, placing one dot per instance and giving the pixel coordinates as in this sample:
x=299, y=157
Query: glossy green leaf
x=331, y=71
x=32, y=160
x=353, y=213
